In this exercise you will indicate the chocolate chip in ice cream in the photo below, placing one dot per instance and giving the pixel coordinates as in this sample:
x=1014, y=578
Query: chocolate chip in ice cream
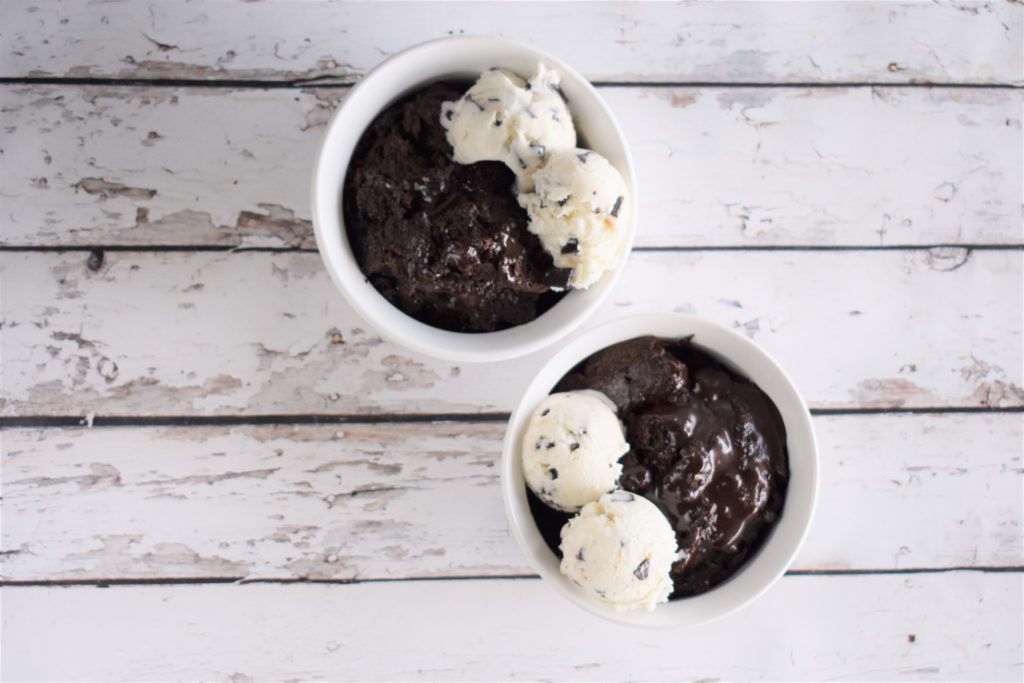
x=642, y=569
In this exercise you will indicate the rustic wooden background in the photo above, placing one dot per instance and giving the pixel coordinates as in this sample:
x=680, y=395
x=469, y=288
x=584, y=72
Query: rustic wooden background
x=213, y=469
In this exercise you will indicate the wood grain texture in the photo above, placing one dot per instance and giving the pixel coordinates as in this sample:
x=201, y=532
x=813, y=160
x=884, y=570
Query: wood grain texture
x=725, y=162
x=361, y=501
x=266, y=333
x=739, y=42
x=955, y=626
x=717, y=167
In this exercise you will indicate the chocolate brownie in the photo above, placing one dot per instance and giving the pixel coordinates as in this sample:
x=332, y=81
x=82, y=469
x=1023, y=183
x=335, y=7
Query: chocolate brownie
x=708, y=447
x=446, y=243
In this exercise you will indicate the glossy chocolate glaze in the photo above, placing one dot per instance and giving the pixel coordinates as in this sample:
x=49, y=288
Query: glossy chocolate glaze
x=446, y=243
x=708, y=447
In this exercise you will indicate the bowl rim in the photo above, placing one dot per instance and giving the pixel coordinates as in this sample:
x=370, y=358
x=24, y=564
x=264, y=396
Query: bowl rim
x=760, y=571
x=387, y=319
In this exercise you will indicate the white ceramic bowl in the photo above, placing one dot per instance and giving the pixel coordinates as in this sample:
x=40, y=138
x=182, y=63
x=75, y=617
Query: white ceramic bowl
x=740, y=354
x=466, y=58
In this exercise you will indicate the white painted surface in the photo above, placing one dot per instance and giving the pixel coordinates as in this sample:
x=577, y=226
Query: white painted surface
x=716, y=166
x=416, y=500
x=198, y=333
x=915, y=328
x=953, y=626
x=877, y=42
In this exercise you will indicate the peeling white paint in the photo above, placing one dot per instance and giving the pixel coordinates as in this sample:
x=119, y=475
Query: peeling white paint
x=957, y=625
x=716, y=167
x=266, y=333
x=779, y=42
x=415, y=500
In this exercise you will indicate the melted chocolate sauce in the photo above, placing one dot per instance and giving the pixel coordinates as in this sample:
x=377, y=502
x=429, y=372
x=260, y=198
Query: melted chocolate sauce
x=708, y=447
x=446, y=243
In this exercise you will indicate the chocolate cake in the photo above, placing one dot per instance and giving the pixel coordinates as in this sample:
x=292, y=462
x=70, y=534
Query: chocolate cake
x=446, y=243
x=708, y=447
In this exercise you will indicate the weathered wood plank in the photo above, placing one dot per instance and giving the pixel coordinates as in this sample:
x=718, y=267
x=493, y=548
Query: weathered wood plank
x=718, y=167
x=362, y=501
x=266, y=333
x=956, y=626
x=736, y=42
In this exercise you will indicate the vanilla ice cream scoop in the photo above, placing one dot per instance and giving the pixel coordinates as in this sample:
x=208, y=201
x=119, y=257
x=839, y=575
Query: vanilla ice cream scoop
x=571, y=449
x=505, y=118
x=576, y=209
x=620, y=549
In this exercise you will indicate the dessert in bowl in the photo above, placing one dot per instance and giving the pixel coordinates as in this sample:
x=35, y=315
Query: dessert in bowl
x=660, y=462
x=464, y=196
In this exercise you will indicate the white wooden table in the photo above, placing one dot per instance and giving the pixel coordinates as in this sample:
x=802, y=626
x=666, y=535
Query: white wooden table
x=213, y=469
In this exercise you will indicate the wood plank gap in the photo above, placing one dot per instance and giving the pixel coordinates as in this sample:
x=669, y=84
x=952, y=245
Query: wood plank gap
x=241, y=580
x=806, y=84
x=148, y=248
x=906, y=570
x=156, y=248
x=57, y=421
x=924, y=410
x=333, y=82
x=241, y=420
x=836, y=247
